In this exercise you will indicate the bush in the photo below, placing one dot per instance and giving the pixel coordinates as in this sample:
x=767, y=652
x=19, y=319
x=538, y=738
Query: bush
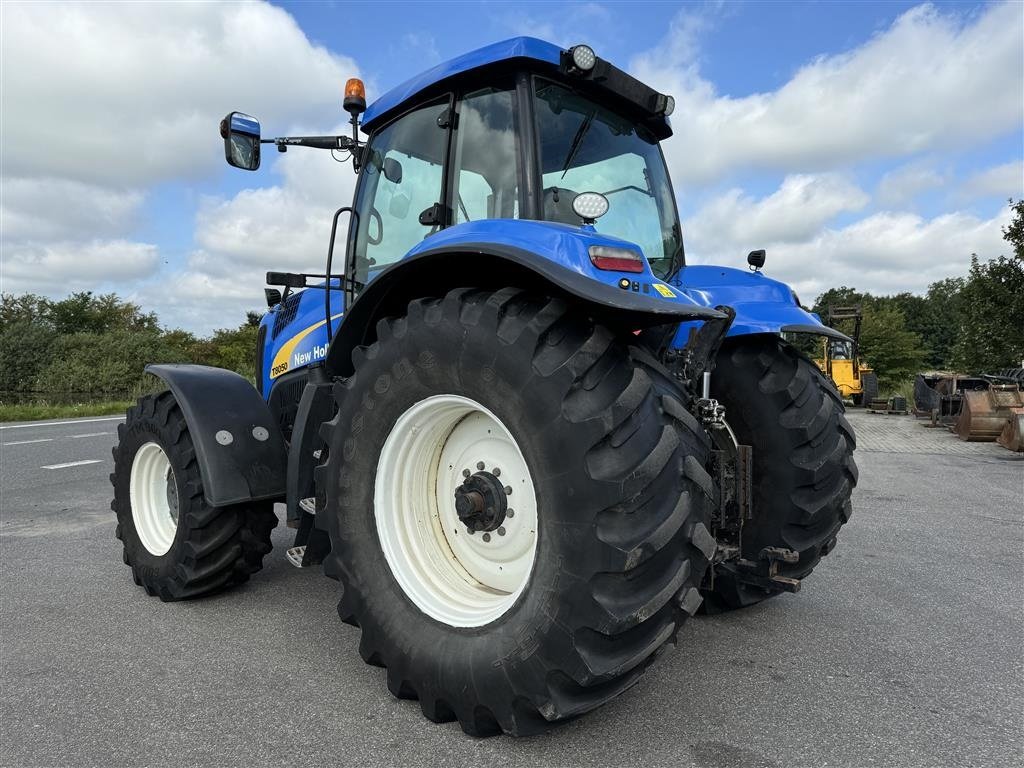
x=24, y=352
x=102, y=363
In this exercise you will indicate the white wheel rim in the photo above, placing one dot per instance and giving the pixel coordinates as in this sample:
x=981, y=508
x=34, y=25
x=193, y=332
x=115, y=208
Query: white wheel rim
x=461, y=579
x=154, y=499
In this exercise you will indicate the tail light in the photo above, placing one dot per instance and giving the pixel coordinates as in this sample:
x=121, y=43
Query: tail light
x=611, y=259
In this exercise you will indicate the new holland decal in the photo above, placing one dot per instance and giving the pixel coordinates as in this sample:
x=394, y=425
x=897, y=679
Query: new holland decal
x=287, y=357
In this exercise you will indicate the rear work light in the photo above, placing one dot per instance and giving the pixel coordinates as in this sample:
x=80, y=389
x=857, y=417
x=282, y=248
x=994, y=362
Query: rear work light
x=613, y=259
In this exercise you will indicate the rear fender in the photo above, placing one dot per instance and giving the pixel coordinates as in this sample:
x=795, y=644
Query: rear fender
x=542, y=256
x=239, y=447
x=762, y=305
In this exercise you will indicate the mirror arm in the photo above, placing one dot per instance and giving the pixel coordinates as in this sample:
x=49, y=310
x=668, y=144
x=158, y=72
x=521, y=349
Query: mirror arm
x=342, y=143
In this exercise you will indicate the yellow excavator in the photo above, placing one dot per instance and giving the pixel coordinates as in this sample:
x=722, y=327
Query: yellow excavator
x=841, y=361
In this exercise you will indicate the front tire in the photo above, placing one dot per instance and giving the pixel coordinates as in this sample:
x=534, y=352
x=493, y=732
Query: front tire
x=618, y=509
x=781, y=404
x=176, y=544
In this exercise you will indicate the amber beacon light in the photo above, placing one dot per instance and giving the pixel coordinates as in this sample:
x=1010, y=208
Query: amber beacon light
x=355, y=97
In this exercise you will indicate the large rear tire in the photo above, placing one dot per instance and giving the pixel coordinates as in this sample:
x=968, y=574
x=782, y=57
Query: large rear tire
x=780, y=403
x=177, y=545
x=613, y=534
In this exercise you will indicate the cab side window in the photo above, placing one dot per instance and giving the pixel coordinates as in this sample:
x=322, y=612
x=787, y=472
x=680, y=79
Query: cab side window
x=402, y=177
x=485, y=182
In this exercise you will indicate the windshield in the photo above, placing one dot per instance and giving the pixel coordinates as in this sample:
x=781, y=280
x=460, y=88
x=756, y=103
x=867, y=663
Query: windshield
x=586, y=148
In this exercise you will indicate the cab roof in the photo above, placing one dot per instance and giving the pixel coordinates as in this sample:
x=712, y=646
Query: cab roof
x=513, y=48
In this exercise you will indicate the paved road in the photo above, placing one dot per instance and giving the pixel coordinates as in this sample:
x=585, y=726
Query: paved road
x=903, y=649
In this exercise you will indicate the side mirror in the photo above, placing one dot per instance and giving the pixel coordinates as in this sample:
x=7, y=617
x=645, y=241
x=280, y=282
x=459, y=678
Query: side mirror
x=392, y=170
x=241, y=140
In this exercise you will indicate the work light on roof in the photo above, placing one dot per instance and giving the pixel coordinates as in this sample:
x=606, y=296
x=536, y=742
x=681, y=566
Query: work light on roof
x=583, y=57
x=590, y=206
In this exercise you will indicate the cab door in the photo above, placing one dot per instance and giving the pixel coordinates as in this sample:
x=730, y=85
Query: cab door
x=400, y=197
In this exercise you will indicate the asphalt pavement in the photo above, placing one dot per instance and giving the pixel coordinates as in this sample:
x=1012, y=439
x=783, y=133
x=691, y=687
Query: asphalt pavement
x=903, y=649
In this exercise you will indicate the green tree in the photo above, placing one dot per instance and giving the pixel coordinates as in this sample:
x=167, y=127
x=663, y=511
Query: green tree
x=838, y=297
x=84, y=313
x=1014, y=233
x=943, y=317
x=894, y=352
x=28, y=307
x=992, y=311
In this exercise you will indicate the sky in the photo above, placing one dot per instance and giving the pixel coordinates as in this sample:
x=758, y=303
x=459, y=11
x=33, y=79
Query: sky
x=867, y=144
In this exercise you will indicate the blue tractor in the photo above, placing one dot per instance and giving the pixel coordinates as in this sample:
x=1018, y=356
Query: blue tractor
x=527, y=438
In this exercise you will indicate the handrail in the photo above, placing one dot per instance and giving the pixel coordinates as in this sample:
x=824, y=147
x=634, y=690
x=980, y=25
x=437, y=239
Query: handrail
x=330, y=260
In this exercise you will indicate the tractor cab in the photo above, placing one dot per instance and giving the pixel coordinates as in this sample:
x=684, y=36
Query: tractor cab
x=520, y=129
x=517, y=130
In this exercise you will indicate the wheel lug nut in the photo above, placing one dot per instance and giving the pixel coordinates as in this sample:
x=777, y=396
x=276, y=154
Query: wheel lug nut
x=510, y=512
x=465, y=473
x=480, y=465
x=487, y=537
x=508, y=490
x=469, y=530
x=496, y=471
x=501, y=530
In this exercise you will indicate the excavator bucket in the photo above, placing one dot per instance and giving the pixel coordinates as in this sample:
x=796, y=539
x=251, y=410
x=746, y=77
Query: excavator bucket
x=1012, y=436
x=984, y=415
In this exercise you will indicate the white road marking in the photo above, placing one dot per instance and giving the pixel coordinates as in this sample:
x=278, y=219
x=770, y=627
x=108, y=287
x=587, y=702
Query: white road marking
x=26, y=442
x=59, y=423
x=72, y=464
x=91, y=434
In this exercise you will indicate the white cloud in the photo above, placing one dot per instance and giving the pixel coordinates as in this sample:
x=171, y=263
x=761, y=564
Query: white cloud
x=54, y=209
x=885, y=252
x=101, y=101
x=131, y=93
x=795, y=212
x=900, y=186
x=929, y=81
x=1003, y=181
x=283, y=227
x=71, y=266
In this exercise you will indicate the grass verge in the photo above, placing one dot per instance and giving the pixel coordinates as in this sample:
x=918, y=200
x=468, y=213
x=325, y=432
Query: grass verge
x=44, y=410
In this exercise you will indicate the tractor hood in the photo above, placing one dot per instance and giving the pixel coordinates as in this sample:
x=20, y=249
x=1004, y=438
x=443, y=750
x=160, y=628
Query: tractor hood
x=762, y=305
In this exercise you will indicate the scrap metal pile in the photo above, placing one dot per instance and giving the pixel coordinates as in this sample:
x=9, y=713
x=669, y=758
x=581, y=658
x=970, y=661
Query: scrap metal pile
x=984, y=408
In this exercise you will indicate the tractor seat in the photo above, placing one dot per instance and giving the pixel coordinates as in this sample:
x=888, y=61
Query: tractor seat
x=558, y=205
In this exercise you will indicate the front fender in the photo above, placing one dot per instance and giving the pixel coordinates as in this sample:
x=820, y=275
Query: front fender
x=239, y=447
x=762, y=305
x=497, y=253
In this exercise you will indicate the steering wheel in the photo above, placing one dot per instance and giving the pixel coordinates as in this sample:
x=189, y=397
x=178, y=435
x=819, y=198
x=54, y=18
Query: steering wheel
x=375, y=215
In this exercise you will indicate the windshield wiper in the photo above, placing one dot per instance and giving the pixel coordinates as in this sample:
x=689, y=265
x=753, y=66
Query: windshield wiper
x=577, y=141
x=629, y=186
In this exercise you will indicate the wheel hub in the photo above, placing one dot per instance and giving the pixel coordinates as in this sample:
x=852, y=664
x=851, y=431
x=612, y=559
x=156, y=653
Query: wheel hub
x=153, y=493
x=481, y=502
x=448, y=477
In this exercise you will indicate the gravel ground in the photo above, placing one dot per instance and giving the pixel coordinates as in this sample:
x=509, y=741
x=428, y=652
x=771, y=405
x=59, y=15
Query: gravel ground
x=904, y=648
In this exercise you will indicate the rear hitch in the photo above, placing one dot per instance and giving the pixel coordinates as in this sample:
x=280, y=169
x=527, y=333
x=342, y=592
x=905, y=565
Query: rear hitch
x=764, y=572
